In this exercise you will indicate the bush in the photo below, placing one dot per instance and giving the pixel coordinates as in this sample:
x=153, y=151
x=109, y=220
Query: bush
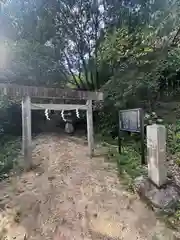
x=10, y=147
x=10, y=117
x=173, y=138
x=10, y=132
x=129, y=161
x=107, y=121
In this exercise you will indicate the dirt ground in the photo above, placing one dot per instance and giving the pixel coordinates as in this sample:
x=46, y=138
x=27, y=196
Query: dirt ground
x=70, y=196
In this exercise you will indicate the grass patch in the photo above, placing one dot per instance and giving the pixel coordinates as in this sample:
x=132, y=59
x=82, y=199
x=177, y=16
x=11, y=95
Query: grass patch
x=129, y=162
x=128, y=165
x=106, y=139
x=9, y=150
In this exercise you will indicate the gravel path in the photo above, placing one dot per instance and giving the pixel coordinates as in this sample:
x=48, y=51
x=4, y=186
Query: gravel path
x=69, y=196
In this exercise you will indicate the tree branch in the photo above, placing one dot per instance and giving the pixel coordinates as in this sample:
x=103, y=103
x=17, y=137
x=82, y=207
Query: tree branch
x=70, y=70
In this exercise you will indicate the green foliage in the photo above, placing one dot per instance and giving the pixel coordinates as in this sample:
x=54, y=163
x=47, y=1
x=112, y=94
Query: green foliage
x=10, y=129
x=10, y=132
x=173, y=138
x=10, y=117
x=29, y=63
x=129, y=162
x=172, y=217
x=141, y=59
x=10, y=148
x=87, y=42
x=108, y=122
x=177, y=215
x=121, y=46
x=136, y=65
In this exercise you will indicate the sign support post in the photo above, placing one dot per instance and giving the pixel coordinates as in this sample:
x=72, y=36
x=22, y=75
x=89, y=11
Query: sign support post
x=143, y=161
x=132, y=121
x=120, y=136
x=119, y=142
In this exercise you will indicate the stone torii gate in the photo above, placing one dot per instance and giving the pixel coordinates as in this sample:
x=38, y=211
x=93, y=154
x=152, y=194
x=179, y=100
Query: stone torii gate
x=28, y=93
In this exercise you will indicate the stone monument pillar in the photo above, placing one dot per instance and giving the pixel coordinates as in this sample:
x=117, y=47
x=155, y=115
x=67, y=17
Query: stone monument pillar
x=156, y=154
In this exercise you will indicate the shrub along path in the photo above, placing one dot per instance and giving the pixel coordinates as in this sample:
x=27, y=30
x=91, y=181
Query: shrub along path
x=69, y=196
